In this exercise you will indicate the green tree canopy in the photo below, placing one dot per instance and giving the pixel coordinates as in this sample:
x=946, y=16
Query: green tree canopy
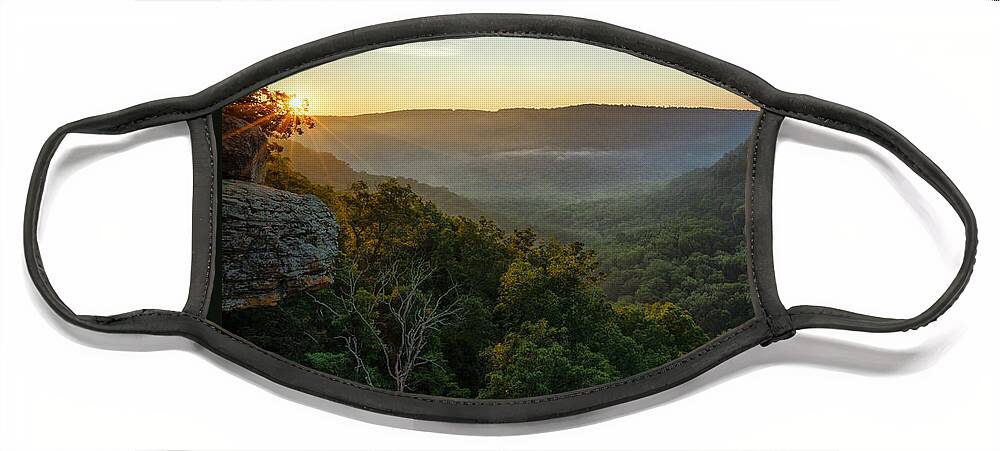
x=446, y=305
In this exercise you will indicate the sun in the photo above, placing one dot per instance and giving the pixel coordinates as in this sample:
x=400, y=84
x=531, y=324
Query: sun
x=296, y=103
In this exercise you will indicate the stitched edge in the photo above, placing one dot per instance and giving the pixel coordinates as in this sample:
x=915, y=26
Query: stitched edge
x=211, y=219
x=841, y=314
x=455, y=401
x=753, y=221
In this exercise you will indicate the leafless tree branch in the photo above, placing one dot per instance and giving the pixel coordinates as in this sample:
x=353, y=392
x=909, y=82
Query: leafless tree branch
x=414, y=315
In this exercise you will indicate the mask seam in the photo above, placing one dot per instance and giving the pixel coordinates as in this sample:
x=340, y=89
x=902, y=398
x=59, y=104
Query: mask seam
x=667, y=368
x=211, y=219
x=753, y=221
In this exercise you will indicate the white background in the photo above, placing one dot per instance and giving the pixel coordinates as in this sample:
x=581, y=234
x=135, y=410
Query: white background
x=853, y=229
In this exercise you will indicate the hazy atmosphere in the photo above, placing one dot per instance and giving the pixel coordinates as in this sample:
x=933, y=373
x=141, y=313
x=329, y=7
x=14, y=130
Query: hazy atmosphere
x=496, y=73
x=484, y=218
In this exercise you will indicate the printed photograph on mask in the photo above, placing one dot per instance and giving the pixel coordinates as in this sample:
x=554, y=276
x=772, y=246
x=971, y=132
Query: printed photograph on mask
x=486, y=218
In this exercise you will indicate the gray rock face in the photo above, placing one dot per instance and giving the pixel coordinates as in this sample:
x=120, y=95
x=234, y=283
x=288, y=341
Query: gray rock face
x=244, y=150
x=274, y=243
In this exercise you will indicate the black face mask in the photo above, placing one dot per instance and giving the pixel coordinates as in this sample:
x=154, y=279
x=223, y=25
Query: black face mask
x=486, y=217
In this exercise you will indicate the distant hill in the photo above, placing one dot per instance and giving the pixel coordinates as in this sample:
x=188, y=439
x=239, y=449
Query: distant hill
x=325, y=168
x=678, y=240
x=574, y=152
x=589, y=126
x=715, y=191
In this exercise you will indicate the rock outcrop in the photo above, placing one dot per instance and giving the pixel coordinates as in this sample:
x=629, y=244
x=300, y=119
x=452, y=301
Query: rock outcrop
x=274, y=243
x=244, y=150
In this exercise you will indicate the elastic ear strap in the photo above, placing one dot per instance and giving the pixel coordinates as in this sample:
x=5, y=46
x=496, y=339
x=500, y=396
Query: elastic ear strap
x=845, y=119
x=126, y=322
x=32, y=209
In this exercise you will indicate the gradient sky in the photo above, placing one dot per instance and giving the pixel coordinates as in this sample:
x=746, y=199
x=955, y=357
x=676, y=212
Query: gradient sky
x=492, y=73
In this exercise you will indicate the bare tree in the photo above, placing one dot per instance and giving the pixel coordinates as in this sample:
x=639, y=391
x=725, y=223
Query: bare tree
x=413, y=315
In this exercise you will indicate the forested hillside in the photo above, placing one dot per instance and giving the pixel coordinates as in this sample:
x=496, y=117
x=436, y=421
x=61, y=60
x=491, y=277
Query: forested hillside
x=324, y=168
x=443, y=304
x=682, y=240
x=500, y=254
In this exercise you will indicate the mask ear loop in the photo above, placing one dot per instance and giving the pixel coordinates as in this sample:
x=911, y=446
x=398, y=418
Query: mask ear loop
x=852, y=121
x=148, y=321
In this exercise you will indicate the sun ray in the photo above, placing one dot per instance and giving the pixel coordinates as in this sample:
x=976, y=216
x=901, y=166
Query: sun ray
x=358, y=155
x=248, y=126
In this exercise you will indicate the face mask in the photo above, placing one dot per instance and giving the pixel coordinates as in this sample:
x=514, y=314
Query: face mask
x=486, y=218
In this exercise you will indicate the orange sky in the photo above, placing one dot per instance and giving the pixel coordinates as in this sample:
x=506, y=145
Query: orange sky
x=494, y=73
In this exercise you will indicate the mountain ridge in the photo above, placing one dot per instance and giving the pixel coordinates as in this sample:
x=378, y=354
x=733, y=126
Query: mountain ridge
x=562, y=107
x=326, y=169
x=575, y=151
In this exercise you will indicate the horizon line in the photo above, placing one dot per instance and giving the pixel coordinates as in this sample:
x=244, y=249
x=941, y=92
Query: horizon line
x=663, y=107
